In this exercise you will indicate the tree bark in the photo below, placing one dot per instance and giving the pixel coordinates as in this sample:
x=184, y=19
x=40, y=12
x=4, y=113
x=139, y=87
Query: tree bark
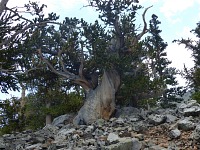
x=100, y=102
x=23, y=99
x=48, y=116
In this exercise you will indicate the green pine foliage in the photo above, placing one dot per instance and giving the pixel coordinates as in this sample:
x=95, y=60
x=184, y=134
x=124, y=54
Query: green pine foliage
x=35, y=111
x=192, y=75
x=152, y=80
x=142, y=63
x=60, y=103
x=10, y=120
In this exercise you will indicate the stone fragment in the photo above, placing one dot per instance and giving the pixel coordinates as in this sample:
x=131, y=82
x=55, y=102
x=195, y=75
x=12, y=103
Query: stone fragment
x=100, y=123
x=170, y=118
x=133, y=119
x=126, y=111
x=89, y=129
x=123, y=144
x=62, y=134
x=186, y=125
x=190, y=108
x=39, y=139
x=156, y=119
x=137, y=145
x=174, y=134
x=35, y=146
x=62, y=120
x=112, y=137
x=196, y=133
x=156, y=147
x=90, y=142
x=2, y=144
x=120, y=121
x=50, y=129
x=138, y=136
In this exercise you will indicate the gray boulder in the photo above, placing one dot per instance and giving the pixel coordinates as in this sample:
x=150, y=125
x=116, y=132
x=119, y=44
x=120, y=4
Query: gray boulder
x=189, y=108
x=2, y=144
x=156, y=119
x=170, y=118
x=137, y=145
x=63, y=134
x=62, y=120
x=196, y=133
x=174, y=134
x=35, y=146
x=112, y=137
x=186, y=124
x=126, y=111
x=123, y=144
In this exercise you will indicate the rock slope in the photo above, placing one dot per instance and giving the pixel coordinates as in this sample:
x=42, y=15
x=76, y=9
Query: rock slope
x=130, y=129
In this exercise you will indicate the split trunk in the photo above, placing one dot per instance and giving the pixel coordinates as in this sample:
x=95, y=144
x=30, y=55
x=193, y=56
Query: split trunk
x=100, y=102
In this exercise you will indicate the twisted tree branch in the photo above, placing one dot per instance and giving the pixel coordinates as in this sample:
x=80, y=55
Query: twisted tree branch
x=144, y=31
x=44, y=23
x=66, y=74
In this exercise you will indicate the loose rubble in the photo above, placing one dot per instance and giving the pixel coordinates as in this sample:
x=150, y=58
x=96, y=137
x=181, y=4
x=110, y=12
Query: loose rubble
x=130, y=129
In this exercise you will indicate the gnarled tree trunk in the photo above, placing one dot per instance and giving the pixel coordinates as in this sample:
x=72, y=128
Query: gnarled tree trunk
x=100, y=103
x=48, y=117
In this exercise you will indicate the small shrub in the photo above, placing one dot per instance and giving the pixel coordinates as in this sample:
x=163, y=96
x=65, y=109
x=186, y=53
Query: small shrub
x=196, y=96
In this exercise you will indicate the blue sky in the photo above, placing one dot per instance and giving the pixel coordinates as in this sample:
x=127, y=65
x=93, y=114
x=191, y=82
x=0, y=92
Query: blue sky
x=177, y=18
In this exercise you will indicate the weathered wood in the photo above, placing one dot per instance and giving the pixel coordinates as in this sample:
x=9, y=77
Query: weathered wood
x=100, y=103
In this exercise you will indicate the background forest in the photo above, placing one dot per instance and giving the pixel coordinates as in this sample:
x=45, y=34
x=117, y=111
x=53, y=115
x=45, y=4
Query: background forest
x=63, y=64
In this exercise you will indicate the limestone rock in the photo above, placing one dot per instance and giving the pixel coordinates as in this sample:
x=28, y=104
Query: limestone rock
x=170, y=118
x=120, y=121
x=89, y=129
x=133, y=129
x=2, y=144
x=186, y=125
x=62, y=120
x=127, y=111
x=174, y=133
x=112, y=137
x=62, y=134
x=50, y=129
x=156, y=119
x=190, y=108
x=35, y=146
x=137, y=145
x=124, y=144
x=196, y=133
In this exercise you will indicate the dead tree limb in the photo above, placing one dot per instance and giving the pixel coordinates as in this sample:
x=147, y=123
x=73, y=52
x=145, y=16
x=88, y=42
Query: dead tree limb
x=66, y=74
x=44, y=23
x=144, y=31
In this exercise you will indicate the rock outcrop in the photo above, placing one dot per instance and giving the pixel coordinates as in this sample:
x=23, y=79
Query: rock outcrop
x=130, y=129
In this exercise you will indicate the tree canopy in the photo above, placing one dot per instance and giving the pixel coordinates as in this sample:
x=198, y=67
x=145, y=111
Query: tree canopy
x=111, y=56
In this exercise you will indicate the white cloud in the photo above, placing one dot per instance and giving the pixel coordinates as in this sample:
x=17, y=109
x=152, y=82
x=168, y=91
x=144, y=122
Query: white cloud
x=13, y=3
x=174, y=20
x=179, y=56
x=149, y=1
x=185, y=33
x=178, y=53
x=172, y=7
x=64, y=5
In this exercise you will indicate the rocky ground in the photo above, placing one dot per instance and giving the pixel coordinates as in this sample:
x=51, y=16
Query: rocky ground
x=130, y=129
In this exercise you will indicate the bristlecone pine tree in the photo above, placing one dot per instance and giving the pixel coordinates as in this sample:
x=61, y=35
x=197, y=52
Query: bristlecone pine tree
x=162, y=76
x=192, y=75
x=94, y=56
